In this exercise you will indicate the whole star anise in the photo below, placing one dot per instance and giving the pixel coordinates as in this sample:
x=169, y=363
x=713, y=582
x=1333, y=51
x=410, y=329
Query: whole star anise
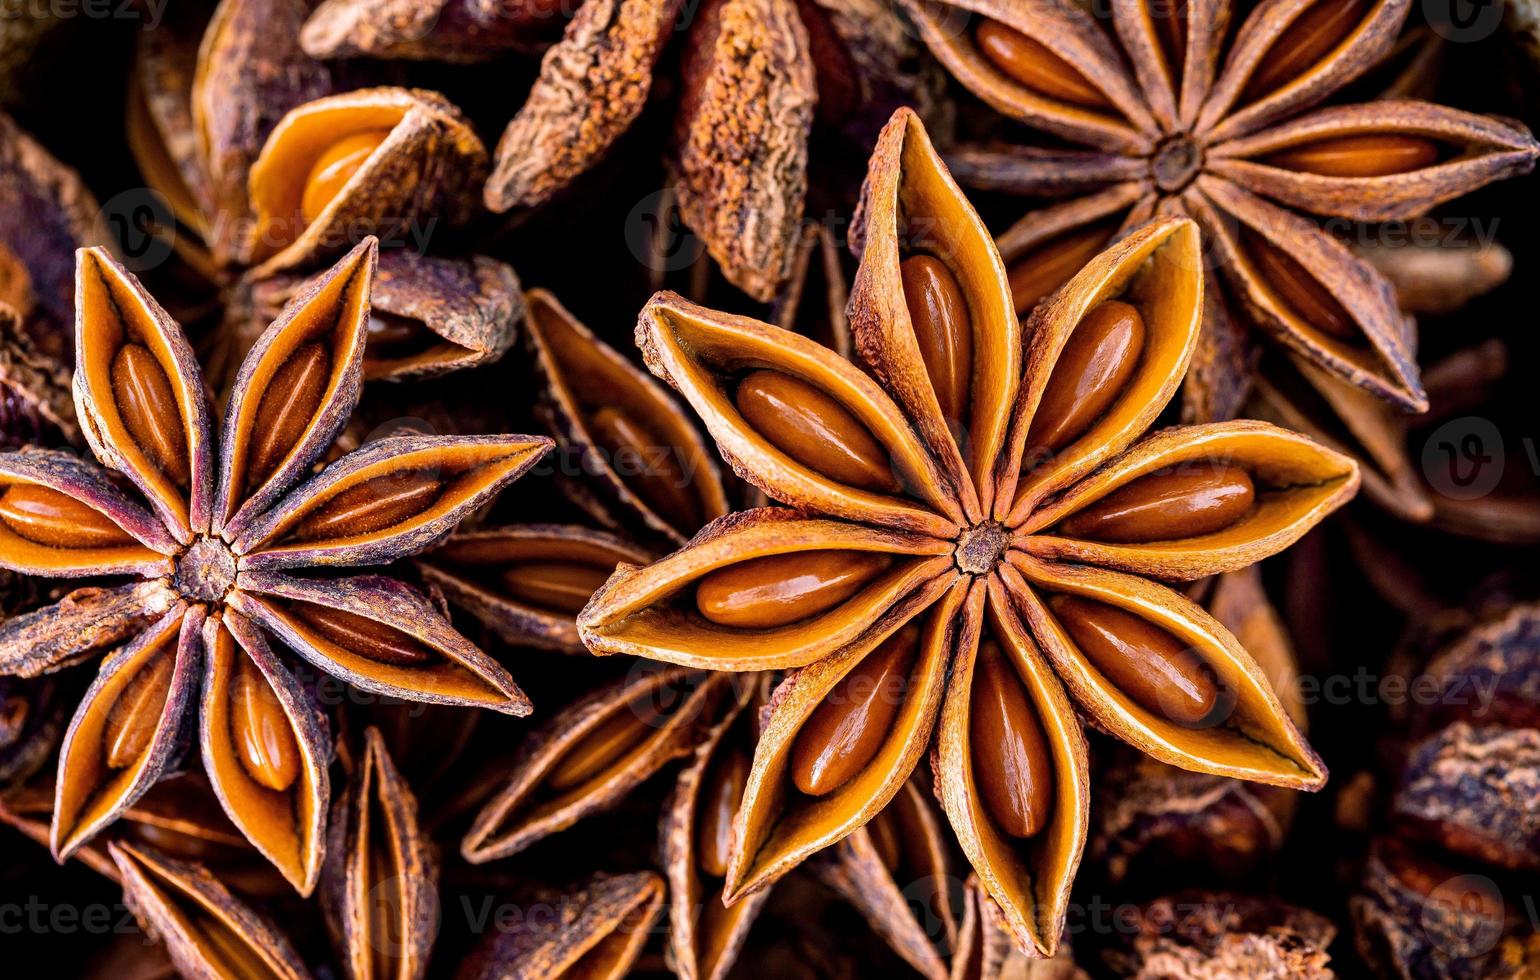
x=977, y=531
x=223, y=526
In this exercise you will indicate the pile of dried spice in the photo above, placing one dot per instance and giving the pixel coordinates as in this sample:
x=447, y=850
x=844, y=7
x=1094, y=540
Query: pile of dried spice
x=791, y=488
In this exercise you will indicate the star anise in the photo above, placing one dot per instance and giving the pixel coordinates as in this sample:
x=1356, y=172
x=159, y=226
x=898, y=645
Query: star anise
x=977, y=529
x=227, y=517
x=1170, y=111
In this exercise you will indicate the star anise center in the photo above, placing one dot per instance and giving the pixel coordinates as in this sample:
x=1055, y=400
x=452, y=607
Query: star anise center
x=979, y=548
x=205, y=571
x=1177, y=161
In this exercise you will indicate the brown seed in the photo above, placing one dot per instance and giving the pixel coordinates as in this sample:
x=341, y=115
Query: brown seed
x=815, y=430
x=364, y=636
x=49, y=517
x=371, y=506
x=561, y=586
x=132, y=719
x=264, y=740
x=1035, y=66
x=333, y=167
x=1298, y=290
x=763, y=592
x=719, y=799
x=150, y=411
x=849, y=726
x=1039, y=272
x=287, y=408
x=650, y=465
x=611, y=739
x=1146, y=663
x=1167, y=505
x=1096, y=362
x=939, y=312
x=1363, y=155
x=1310, y=38
x=1012, y=766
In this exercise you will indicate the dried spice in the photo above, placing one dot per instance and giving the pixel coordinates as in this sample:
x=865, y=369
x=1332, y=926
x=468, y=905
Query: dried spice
x=215, y=558
x=1218, y=934
x=955, y=559
x=985, y=950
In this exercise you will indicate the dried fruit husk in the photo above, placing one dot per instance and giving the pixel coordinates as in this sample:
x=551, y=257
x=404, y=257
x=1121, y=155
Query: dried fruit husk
x=380, y=883
x=35, y=404
x=85, y=621
x=598, y=930
x=207, y=930
x=986, y=951
x=467, y=565
x=31, y=722
x=1439, y=277
x=1219, y=934
x=452, y=31
x=424, y=170
x=670, y=708
x=459, y=312
x=582, y=375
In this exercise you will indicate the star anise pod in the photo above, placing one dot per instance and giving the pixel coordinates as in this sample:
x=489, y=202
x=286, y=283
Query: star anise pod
x=975, y=531
x=227, y=518
x=1163, y=116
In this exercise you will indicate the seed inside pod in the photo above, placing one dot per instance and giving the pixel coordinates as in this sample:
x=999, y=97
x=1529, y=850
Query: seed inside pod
x=939, y=311
x=1362, y=155
x=364, y=636
x=1012, y=766
x=560, y=586
x=1035, y=66
x=49, y=517
x=260, y=730
x=1159, y=672
x=815, y=430
x=287, y=408
x=763, y=592
x=853, y=720
x=720, y=794
x=150, y=411
x=1313, y=35
x=1167, y=505
x=334, y=166
x=132, y=719
x=652, y=464
x=622, y=731
x=1298, y=290
x=1097, y=361
x=1038, y=273
x=373, y=505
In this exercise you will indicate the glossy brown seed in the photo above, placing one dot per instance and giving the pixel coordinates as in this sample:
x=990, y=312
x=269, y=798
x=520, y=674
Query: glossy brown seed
x=49, y=517
x=1012, y=766
x=561, y=586
x=763, y=592
x=719, y=799
x=1363, y=155
x=1096, y=362
x=1149, y=665
x=364, y=636
x=287, y=408
x=1035, y=66
x=1312, y=36
x=333, y=167
x=649, y=466
x=150, y=411
x=1298, y=290
x=815, y=430
x=1167, y=505
x=1038, y=273
x=132, y=719
x=942, y=326
x=612, y=738
x=264, y=740
x=853, y=720
x=373, y=505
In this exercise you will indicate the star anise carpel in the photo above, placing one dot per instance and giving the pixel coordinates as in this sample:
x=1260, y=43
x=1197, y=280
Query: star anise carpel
x=235, y=539
x=976, y=530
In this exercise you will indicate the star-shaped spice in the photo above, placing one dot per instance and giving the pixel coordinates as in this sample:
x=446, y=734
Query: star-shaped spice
x=215, y=546
x=979, y=520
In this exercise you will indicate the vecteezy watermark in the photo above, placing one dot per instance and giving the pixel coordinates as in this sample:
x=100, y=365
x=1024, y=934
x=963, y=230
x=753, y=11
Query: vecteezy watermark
x=1463, y=458
x=34, y=917
x=1463, y=21
x=149, y=12
x=144, y=226
x=657, y=237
